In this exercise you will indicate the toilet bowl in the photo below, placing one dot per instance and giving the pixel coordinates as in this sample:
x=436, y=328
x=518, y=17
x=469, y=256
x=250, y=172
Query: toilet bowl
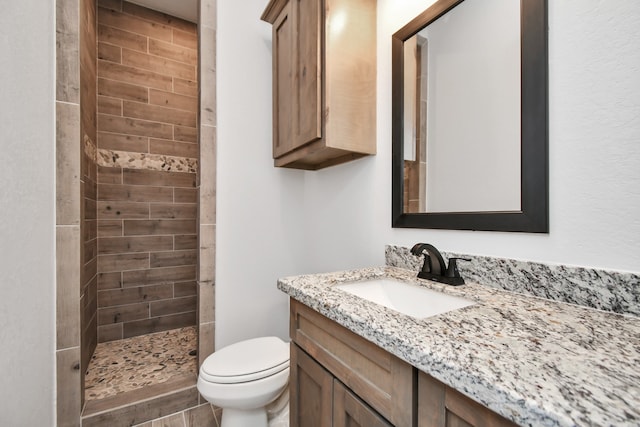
x=244, y=378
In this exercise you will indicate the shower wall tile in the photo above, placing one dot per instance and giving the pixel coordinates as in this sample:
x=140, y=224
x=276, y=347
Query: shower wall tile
x=208, y=71
x=110, y=53
x=208, y=13
x=132, y=193
x=67, y=164
x=109, y=175
x=116, y=90
x=110, y=332
x=206, y=272
x=184, y=289
x=206, y=301
x=120, y=262
x=67, y=51
x=67, y=286
x=185, y=195
x=206, y=340
x=159, y=226
x=173, y=306
x=172, y=148
x=115, y=245
x=158, y=178
x=108, y=228
x=174, y=211
x=148, y=62
x=118, y=142
x=173, y=259
x=68, y=388
x=186, y=39
x=185, y=242
x=174, y=116
x=158, y=324
x=111, y=4
x=170, y=99
x=185, y=87
x=207, y=10
x=120, y=297
x=208, y=181
x=132, y=24
x=109, y=280
x=147, y=222
x=158, y=275
x=126, y=313
x=123, y=210
x=186, y=134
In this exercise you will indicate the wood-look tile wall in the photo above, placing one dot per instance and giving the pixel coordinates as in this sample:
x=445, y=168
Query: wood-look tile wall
x=207, y=178
x=147, y=251
x=147, y=82
x=147, y=219
x=88, y=186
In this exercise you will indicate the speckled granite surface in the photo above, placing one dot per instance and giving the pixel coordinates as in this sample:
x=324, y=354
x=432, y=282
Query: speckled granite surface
x=534, y=361
x=129, y=364
x=605, y=290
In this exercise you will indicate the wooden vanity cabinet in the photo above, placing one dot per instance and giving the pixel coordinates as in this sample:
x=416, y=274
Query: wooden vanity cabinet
x=340, y=379
x=324, y=81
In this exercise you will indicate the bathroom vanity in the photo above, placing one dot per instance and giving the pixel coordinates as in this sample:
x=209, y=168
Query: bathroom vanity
x=506, y=360
x=354, y=382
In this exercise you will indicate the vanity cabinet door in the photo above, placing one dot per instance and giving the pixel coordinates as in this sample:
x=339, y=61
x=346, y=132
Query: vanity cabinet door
x=442, y=406
x=350, y=411
x=311, y=392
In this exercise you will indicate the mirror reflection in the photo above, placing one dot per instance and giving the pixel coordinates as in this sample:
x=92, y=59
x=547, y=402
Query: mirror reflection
x=462, y=110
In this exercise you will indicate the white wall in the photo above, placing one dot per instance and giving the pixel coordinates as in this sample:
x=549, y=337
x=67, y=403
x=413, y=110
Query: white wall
x=274, y=222
x=27, y=284
x=260, y=234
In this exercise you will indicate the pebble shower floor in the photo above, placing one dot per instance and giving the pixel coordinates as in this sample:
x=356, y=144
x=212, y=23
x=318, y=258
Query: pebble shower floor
x=125, y=365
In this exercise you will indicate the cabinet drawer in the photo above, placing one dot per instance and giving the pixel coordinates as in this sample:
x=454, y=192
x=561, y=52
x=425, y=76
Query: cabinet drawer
x=385, y=382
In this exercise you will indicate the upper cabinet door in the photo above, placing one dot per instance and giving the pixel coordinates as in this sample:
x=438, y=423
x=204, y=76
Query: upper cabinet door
x=308, y=79
x=283, y=29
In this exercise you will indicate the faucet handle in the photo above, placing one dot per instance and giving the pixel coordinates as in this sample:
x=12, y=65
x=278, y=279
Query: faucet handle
x=452, y=270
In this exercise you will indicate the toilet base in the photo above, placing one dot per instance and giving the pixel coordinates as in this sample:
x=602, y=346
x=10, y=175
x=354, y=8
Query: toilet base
x=244, y=418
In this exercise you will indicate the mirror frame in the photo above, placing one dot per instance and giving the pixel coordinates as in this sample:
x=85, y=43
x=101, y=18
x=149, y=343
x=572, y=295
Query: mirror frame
x=534, y=214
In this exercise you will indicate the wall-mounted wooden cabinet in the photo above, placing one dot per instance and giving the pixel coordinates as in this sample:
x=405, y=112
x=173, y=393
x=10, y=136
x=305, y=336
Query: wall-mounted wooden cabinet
x=324, y=81
x=340, y=379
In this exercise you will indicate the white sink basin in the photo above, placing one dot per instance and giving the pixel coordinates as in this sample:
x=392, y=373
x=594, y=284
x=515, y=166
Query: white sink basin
x=412, y=300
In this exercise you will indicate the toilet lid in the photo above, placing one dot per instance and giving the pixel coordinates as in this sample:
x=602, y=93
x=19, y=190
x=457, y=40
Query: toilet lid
x=248, y=360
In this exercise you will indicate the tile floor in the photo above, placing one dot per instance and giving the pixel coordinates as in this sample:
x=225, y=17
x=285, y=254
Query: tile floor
x=201, y=416
x=125, y=365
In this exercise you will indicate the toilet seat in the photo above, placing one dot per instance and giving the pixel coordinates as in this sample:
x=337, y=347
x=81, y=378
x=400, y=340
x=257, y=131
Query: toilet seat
x=246, y=361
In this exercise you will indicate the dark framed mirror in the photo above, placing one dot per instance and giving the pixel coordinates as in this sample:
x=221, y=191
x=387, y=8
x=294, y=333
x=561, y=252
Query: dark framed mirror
x=450, y=114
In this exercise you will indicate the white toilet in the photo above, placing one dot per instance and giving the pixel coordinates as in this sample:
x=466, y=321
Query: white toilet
x=244, y=378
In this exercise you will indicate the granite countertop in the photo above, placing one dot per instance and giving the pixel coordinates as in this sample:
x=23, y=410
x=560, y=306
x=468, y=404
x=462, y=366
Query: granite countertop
x=536, y=362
